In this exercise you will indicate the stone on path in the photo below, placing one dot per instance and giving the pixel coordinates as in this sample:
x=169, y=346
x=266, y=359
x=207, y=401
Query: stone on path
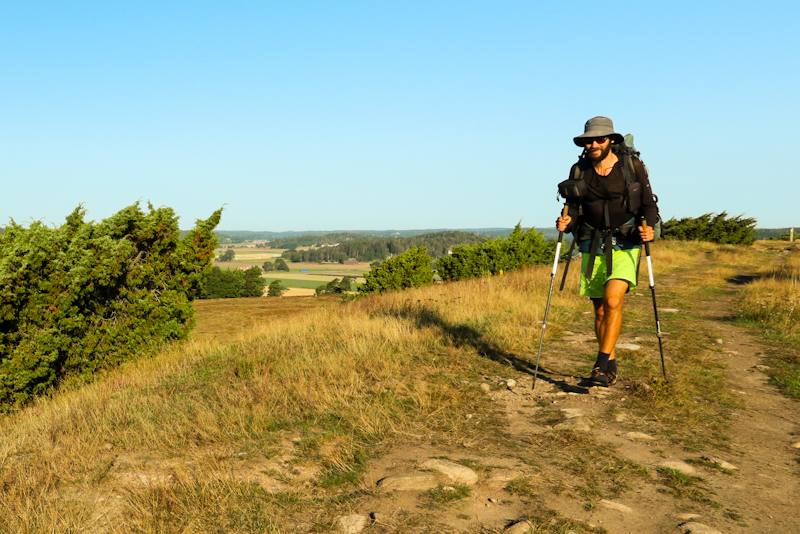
x=571, y=412
x=697, y=528
x=611, y=505
x=687, y=517
x=722, y=463
x=578, y=424
x=352, y=524
x=523, y=527
x=486, y=387
x=638, y=436
x=677, y=465
x=796, y=445
x=415, y=481
x=455, y=473
x=629, y=346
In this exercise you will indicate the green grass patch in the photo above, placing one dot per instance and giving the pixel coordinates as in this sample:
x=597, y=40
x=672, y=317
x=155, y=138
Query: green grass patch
x=684, y=486
x=441, y=497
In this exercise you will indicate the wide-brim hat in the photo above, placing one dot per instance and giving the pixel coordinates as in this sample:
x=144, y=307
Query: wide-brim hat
x=598, y=127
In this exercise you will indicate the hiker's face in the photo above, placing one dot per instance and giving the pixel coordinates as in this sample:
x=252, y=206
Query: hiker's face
x=598, y=148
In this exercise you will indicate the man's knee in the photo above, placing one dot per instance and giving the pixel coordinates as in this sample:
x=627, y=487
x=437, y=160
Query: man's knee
x=613, y=302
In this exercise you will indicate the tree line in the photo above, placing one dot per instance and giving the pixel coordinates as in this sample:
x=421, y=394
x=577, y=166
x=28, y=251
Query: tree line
x=365, y=250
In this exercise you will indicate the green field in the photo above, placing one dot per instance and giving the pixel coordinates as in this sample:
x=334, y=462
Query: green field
x=293, y=282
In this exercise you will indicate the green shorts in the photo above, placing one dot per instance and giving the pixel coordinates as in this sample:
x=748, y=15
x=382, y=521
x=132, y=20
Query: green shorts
x=623, y=268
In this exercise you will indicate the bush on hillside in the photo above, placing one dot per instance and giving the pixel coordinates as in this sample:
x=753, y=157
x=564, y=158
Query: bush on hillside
x=520, y=249
x=276, y=289
x=233, y=283
x=335, y=286
x=85, y=296
x=712, y=227
x=410, y=269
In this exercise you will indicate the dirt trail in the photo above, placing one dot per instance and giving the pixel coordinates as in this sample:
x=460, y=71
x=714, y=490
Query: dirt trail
x=757, y=493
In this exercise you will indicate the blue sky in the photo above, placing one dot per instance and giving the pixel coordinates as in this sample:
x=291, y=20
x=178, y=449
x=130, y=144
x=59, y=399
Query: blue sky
x=345, y=115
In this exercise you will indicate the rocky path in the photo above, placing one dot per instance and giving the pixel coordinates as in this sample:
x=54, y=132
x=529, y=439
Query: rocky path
x=562, y=430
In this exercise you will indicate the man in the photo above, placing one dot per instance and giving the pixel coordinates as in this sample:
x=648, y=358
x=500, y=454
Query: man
x=608, y=232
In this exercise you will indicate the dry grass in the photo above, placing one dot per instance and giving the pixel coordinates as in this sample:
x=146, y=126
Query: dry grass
x=321, y=389
x=772, y=299
x=269, y=417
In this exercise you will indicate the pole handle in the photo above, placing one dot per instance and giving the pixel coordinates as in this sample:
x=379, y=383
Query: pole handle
x=565, y=211
x=646, y=243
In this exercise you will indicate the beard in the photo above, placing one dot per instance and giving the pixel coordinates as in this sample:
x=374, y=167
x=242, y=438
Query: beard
x=599, y=154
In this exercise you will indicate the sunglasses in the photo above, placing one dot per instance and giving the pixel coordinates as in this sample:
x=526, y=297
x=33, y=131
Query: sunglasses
x=590, y=140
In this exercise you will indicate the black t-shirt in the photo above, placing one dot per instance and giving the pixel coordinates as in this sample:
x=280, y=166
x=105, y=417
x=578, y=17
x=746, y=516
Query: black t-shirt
x=611, y=188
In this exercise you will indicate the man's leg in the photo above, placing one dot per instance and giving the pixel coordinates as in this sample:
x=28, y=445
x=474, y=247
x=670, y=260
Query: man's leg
x=607, y=326
x=608, y=316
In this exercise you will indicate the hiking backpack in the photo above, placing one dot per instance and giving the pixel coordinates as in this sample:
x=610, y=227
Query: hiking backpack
x=575, y=187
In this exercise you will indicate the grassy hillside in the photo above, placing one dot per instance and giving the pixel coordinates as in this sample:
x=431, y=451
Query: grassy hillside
x=273, y=427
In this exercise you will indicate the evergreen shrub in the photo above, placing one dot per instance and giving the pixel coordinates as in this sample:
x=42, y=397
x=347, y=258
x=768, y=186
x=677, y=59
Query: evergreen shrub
x=520, y=249
x=410, y=269
x=85, y=296
x=715, y=228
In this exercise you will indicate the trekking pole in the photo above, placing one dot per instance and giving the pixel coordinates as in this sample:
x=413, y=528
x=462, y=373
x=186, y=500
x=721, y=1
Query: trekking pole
x=549, y=295
x=655, y=308
x=567, y=262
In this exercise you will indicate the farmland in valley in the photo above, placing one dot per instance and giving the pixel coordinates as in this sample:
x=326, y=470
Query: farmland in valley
x=303, y=277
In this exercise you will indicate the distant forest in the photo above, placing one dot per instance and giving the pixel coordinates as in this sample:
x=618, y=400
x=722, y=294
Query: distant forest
x=370, y=249
x=232, y=237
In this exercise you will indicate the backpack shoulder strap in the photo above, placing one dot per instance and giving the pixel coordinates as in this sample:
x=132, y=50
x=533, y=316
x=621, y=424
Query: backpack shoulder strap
x=628, y=171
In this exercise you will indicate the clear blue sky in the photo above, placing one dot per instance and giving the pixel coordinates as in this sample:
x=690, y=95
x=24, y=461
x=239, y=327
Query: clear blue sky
x=344, y=115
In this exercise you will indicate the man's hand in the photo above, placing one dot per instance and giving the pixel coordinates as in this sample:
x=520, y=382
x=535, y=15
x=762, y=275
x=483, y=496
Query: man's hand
x=646, y=234
x=562, y=222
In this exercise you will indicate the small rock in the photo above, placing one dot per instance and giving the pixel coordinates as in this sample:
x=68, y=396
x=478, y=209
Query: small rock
x=639, y=436
x=510, y=383
x=677, y=465
x=415, y=481
x=493, y=501
x=722, y=463
x=352, y=524
x=629, y=346
x=611, y=505
x=621, y=417
x=571, y=412
x=796, y=445
x=578, y=424
x=523, y=527
x=378, y=518
x=763, y=367
x=455, y=473
x=697, y=528
x=687, y=517
x=108, y=446
x=561, y=394
x=486, y=387
x=669, y=310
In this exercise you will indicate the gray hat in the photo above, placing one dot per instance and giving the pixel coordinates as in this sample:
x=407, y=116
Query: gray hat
x=598, y=127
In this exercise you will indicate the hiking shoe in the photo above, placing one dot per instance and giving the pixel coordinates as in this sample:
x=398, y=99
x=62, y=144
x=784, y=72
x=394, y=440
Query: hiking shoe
x=602, y=377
